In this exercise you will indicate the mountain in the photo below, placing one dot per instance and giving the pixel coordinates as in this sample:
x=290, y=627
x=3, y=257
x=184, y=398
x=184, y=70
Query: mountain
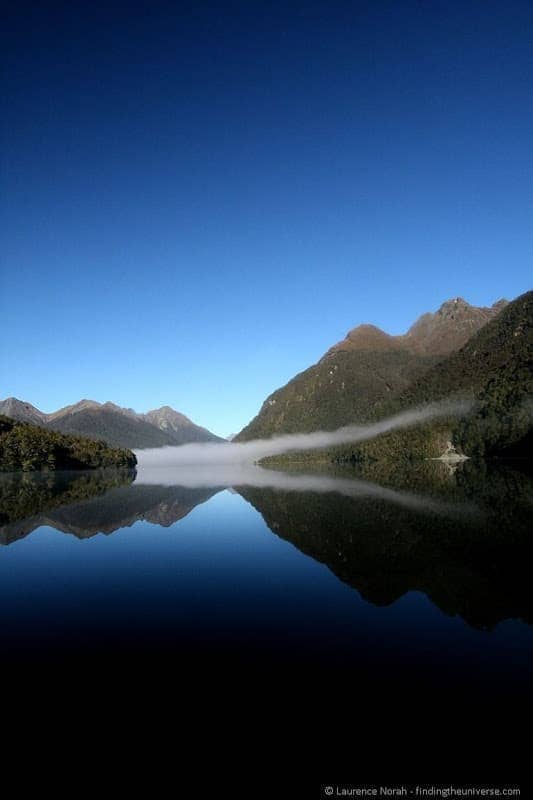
x=118, y=427
x=111, y=426
x=28, y=448
x=364, y=369
x=23, y=412
x=179, y=427
x=494, y=370
x=450, y=328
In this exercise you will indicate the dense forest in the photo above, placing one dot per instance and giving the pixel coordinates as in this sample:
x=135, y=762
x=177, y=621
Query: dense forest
x=28, y=448
x=494, y=371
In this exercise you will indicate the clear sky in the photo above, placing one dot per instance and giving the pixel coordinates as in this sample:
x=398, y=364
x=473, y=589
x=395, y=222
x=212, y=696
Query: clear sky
x=198, y=198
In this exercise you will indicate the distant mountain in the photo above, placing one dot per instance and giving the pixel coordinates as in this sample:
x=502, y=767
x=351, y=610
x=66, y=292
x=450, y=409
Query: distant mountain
x=118, y=427
x=114, y=427
x=23, y=412
x=179, y=427
x=364, y=369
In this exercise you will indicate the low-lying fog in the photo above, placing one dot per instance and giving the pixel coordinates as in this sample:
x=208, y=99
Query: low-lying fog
x=249, y=452
x=234, y=464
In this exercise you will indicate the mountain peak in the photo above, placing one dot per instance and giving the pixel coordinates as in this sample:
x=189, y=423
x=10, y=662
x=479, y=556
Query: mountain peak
x=454, y=305
x=21, y=410
x=167, y=417
x=166, y=410
x=81, y=405
x=126, y=412
x=364, y=337
x=450, y=327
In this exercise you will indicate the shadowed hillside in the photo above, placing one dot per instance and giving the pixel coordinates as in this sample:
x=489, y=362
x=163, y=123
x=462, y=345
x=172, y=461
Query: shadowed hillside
x=365, y=369
x=28, y=447
x=493, y=370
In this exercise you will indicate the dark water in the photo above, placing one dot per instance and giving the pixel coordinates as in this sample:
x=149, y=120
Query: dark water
x=347, y=599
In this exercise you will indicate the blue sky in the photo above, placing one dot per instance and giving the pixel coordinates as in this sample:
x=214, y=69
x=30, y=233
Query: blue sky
x=199, y=199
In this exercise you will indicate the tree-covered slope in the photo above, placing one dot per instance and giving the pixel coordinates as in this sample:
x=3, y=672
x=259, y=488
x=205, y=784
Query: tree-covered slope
x=337, y=391
x=28, y=447
x=365, y=369
x=494, y=370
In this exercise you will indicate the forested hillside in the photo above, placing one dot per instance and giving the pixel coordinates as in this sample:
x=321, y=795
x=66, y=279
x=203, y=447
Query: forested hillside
x=28, y=447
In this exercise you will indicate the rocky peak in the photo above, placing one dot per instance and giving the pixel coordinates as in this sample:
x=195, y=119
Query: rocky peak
x=81, y=405
x=450, y=309
x=126, y=412
x=450, y=327
x=166, y=417
x=21, y=411
x=434, y=333
x=365, y=337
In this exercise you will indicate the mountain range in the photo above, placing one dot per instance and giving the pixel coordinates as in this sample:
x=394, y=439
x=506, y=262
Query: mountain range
x=119, y=427
x=484, y=354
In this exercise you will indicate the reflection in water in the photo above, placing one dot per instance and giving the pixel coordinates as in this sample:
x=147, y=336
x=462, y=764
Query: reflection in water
x=90, y=503
x=462, y=538
x=475, y=565
x=217, y=612
x=230, y=476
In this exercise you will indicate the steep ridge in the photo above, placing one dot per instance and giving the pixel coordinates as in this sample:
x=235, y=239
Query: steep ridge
x=366, y=368
x=449, y=328
x=493, y=370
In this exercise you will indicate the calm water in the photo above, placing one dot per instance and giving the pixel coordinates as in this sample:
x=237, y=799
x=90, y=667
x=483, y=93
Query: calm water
x=350, y=590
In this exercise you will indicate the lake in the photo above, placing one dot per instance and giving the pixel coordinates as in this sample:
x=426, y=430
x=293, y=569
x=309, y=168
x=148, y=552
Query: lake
x=405, y=590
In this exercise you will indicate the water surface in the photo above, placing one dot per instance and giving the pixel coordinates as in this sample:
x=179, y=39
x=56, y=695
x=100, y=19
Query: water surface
x=339, y=591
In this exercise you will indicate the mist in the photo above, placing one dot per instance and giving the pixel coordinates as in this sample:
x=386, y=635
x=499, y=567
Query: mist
x=229, y=476
x=235, y=464
x=249, y=452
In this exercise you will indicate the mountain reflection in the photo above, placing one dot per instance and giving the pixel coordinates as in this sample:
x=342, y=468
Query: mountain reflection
x=474, y=564
x=462, y=538
x=90, y=503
